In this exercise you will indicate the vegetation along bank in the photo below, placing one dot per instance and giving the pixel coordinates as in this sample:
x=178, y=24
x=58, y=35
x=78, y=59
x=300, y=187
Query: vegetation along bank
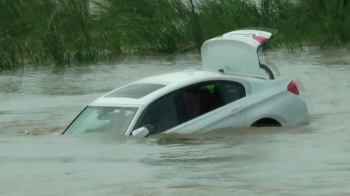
x=39, y=32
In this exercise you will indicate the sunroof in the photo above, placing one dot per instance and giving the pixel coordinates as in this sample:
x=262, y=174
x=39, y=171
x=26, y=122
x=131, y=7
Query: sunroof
x=136, y=91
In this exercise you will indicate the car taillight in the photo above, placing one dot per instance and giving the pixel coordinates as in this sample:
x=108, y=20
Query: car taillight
x=293, y=88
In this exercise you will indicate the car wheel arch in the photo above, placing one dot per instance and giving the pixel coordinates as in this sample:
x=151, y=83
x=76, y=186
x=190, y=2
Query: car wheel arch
x=266, y=122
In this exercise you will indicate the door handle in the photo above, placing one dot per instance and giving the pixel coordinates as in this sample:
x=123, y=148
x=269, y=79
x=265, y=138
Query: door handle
x=236, y=110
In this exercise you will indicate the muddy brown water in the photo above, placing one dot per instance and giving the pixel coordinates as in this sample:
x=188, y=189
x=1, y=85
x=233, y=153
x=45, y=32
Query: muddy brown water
x=306, y=160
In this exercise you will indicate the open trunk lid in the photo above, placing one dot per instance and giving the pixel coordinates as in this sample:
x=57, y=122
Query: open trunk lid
x=237, y=51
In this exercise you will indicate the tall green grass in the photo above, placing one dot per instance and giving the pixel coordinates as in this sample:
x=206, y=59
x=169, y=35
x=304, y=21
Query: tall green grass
x=39, y=32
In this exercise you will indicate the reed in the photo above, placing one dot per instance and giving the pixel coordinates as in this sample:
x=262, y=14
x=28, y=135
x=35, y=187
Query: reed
x=64, y=32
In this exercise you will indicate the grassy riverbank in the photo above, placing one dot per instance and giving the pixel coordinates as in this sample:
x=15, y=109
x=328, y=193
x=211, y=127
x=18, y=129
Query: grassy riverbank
x=36, y=32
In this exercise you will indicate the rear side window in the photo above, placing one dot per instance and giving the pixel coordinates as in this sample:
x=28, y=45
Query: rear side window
x=135, y=91
x=231, y=91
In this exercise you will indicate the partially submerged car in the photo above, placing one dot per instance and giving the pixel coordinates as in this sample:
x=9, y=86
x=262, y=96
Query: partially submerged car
x=232, y=90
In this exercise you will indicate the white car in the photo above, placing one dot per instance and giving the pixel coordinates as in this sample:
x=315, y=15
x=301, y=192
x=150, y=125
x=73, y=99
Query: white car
x=232, y=90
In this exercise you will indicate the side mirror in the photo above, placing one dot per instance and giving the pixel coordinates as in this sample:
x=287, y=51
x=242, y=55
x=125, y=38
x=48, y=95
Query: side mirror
x=140, y=132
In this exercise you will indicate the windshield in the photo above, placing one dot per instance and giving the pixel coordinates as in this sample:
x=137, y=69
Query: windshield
x=103, y=119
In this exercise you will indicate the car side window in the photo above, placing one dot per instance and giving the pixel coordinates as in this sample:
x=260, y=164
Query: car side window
x=161, y=115
x=231, y=91
x=207, y=96
x=188, y=103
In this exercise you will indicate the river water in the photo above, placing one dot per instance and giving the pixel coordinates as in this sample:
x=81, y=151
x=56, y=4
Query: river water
x=307, y=160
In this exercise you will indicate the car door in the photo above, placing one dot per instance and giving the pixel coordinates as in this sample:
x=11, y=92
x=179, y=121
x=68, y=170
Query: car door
x=231, y=112
x=162, y=115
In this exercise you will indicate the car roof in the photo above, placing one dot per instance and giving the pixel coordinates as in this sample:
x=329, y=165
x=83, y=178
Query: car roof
x=170, y=82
